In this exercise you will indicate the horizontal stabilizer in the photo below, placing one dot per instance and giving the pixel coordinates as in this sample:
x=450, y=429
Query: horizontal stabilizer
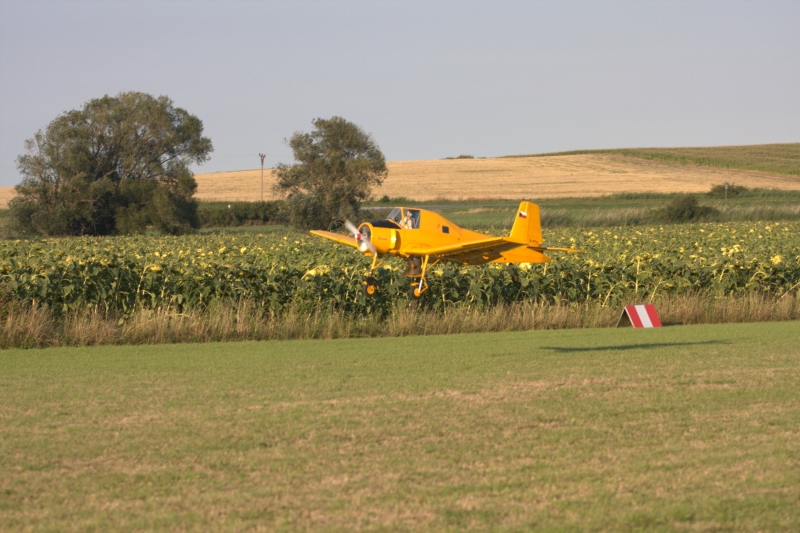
x=554, y=249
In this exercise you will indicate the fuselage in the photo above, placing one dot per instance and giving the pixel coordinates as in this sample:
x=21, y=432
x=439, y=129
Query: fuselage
x=416, y=228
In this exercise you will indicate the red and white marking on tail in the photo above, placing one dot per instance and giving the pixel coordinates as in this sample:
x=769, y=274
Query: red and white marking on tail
x=523, y=214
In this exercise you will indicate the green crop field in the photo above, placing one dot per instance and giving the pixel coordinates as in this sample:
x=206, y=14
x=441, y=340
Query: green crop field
x=294, y=270
x=689, y=428
x=777, y=158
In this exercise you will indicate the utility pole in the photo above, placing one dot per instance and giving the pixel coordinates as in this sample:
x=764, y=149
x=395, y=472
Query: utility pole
x=262, y=156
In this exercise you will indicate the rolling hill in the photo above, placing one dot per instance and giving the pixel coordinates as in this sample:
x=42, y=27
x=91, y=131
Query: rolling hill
x=567, y=174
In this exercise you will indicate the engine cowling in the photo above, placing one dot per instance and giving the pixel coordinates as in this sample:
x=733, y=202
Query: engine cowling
x=383, y=239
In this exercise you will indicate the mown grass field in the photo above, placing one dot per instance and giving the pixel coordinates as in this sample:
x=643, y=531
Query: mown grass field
x=691, y=428
x=616, y=210
x=623, y=209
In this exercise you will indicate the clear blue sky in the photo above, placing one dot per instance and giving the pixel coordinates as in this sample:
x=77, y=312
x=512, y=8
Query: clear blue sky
x=427, y=79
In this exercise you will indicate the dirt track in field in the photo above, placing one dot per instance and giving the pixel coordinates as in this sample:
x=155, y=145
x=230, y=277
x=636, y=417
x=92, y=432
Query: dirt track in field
x=512, y=178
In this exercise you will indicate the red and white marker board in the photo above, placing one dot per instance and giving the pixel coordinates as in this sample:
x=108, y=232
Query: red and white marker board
x=640, y=316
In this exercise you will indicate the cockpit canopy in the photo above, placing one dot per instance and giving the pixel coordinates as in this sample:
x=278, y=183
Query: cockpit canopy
x=396, y=215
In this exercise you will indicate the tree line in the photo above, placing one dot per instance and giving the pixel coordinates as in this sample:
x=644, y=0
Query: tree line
x=121, y=165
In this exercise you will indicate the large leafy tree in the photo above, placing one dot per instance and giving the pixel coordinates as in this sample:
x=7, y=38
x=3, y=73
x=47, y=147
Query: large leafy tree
x=338, y=163
x=118, y=165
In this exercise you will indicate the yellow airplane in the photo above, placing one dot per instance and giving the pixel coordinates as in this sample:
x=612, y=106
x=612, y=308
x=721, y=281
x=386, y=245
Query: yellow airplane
x=424, y=238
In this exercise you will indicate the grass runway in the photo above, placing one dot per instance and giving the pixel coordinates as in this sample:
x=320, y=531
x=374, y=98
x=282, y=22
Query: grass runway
x=690, y=428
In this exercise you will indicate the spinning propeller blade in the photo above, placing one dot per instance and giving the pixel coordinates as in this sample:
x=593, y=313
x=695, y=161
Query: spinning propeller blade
x=352, y=229
x=363, y=243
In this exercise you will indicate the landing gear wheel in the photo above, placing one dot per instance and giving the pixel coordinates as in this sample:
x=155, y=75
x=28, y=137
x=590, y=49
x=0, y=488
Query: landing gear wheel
x=370, y=287
x=413, y=293
x=513, y=273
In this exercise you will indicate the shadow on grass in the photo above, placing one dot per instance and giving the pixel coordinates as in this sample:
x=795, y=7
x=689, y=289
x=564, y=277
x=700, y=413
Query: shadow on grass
x=644, y=346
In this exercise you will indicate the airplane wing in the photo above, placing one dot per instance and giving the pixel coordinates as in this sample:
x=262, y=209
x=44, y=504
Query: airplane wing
x=485, y=250
x=343, y=239
x=475, y=252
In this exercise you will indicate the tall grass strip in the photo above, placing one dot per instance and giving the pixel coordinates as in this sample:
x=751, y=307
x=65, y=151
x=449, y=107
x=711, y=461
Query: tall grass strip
x=36, y=327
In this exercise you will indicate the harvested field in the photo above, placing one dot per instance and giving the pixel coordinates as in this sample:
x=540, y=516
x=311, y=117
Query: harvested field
x=6, y=194
x=535, y=177
x=582, y=175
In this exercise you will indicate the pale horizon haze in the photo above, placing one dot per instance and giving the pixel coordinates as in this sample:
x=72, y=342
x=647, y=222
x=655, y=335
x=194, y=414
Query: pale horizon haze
x=428, y=79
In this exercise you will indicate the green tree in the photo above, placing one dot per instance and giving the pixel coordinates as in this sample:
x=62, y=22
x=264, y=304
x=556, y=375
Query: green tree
x=685, y=208
x=118, y=165
x=338, y=163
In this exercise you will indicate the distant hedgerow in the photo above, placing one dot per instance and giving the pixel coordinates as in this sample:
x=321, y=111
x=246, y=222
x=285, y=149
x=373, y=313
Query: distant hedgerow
x=687, y=208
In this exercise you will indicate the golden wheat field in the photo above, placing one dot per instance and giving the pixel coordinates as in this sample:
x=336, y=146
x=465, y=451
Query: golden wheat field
x=518, y=177
x=513, y=178
x=6, y=194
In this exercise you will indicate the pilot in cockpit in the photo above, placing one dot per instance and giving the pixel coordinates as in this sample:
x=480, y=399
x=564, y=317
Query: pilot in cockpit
x=411, y=220
x=406, y=218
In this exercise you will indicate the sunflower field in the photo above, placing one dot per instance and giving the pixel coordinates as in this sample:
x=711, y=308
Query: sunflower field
x=277, y=270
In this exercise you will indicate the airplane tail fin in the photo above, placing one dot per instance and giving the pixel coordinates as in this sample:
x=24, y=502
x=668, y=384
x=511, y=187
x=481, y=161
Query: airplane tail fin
x=527, y=227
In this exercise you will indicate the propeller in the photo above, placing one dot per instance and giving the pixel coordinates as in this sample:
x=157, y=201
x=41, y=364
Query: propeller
x=363, y=240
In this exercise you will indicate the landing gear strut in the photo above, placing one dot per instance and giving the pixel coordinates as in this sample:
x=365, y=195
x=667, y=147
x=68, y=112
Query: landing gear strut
x=417, y=267
x=370, y=285
x=512, y=271
x=413, y=293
